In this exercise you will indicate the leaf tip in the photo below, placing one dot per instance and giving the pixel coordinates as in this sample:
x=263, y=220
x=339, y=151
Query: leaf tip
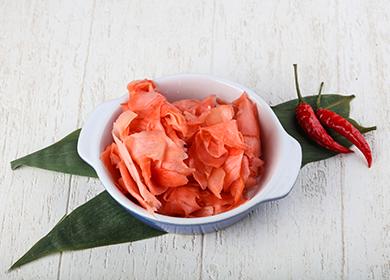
x=15, y=265
x=22, y=261
x=371, y=128
x=14, y=164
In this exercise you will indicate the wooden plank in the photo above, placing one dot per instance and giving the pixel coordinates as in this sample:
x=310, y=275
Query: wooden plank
x=133, y=40
x=298, y=237
x=41, y=61
x=364, y=55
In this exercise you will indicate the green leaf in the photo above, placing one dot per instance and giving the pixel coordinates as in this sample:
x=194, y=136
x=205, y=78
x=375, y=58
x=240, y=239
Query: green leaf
x=101, y=221
x=61, y=156
x=310, y=150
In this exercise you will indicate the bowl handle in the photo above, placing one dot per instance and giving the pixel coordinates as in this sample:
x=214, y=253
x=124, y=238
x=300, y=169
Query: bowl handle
x=292, y=161
x=93, y=131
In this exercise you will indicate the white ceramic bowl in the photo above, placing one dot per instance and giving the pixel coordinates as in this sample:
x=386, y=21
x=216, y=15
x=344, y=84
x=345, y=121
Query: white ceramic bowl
x=282, y=153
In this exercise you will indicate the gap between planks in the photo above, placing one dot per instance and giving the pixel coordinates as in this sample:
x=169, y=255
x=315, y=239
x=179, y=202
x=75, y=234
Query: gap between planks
x=78, y=118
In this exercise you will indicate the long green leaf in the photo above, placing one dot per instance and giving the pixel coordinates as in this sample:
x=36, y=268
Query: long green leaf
x=61, y=156
x=101, y=221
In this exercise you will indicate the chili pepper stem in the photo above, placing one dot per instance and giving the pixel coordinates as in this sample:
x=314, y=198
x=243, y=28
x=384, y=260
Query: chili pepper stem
x=319, y=95
x=297, y=84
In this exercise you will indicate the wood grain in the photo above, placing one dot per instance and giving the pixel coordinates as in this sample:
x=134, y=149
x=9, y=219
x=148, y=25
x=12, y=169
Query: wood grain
x=59, y=59
x=363, y=69
x=41, y=64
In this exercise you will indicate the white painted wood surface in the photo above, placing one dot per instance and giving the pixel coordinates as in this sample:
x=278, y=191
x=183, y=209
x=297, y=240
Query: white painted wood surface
x=59, y=59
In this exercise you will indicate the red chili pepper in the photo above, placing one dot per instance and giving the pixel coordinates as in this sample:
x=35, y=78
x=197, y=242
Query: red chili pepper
x=310, y=124
x=343, y=127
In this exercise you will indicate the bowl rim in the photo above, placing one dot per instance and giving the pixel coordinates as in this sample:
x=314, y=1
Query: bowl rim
x=261, y=196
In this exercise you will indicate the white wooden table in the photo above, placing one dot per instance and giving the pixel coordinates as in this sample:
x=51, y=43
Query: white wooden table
x=59, y=59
